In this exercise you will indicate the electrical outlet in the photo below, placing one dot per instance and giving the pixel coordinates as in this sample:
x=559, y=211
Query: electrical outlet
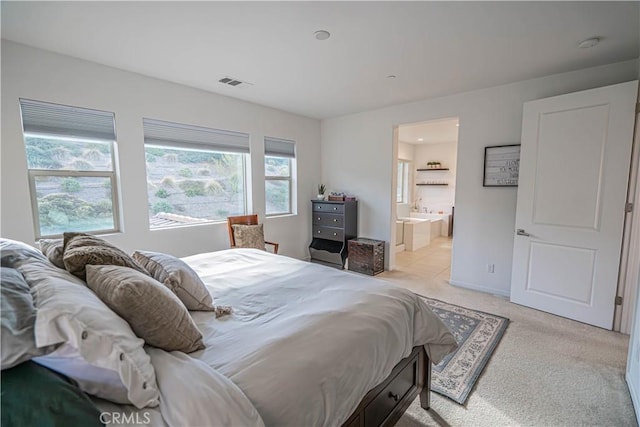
x=491, y=268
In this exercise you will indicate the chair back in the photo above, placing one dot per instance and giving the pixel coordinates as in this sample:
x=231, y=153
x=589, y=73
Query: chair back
x=243, y=220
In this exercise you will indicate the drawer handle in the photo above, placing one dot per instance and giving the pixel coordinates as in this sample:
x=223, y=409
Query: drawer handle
x=335, y=220
x=318, y=218
x=393, y=396
x=319, y=207
x=335, y=234
x=335, y=209
x=319, y=232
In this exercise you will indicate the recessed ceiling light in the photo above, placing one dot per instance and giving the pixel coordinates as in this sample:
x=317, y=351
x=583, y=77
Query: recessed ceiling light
x=322, y=34
x=420, y=139
x=391, y=76
x=457, y=124
x=585, y=44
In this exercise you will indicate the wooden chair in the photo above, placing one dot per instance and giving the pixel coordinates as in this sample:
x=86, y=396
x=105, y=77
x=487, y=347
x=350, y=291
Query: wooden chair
x=245, y=220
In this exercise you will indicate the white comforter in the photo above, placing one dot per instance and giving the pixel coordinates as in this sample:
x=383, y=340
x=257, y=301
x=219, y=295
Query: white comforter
x=305, y=343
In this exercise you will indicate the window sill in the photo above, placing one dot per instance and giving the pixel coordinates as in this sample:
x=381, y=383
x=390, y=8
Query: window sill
x=198, y=224
x=280, y=215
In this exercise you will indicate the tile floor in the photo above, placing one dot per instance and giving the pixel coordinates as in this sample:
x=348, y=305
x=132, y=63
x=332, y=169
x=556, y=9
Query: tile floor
x=431, y=264
x=434, y=259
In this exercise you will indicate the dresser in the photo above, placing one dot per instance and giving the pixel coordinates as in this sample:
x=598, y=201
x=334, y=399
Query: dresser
x=333, y=224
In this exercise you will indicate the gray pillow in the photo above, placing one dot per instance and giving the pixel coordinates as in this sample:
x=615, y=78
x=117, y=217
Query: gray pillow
x=81, y=249
x=177, y=276
x=14, y=253
x=53, y=250
x=18, y=320
x=155, y=314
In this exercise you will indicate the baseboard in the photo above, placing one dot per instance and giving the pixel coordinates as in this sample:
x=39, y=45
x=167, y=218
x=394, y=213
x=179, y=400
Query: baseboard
x=635, y=394
x=484, y=289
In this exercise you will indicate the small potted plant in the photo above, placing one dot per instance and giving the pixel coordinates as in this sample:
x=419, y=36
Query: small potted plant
x=321, y=191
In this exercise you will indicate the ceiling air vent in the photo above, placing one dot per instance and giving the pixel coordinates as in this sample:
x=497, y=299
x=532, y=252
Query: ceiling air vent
x=233, y=82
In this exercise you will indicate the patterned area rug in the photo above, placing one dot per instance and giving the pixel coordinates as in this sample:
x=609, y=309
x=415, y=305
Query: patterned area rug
x=477, y=334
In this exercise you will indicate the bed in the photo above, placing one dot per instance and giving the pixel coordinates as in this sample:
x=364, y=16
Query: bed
x=305, y=345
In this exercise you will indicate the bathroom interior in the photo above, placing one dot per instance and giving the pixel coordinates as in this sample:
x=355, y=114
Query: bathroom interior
x=427, y=154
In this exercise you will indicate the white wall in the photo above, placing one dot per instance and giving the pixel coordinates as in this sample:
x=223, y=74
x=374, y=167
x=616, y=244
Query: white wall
x=357, y=153
x=41, y=75
x=406, y=151
x=436, y=198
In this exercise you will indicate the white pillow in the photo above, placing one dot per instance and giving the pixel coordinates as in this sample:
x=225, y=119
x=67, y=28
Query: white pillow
x=100, y=352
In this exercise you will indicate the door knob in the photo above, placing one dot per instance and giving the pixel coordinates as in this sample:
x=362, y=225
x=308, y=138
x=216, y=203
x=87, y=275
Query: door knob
x=521, y=232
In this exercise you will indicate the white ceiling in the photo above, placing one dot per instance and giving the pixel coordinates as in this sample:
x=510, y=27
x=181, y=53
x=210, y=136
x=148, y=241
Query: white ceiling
x=431, y=132
x=434, y=48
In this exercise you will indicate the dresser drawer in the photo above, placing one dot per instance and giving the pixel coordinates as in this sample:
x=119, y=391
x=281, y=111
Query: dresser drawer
x=328, y=233
x=330, y=220
x=386, y=401
x=328, y=207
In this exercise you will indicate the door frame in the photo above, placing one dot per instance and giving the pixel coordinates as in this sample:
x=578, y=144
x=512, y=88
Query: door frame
x=394, y=180
x=394, y=186
x=630, y=255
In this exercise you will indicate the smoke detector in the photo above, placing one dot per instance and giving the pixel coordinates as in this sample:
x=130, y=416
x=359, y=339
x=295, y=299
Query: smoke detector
x=322, y=34
x=586, y=44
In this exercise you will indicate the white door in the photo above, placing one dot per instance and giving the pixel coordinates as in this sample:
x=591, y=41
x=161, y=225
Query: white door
x=574, y=166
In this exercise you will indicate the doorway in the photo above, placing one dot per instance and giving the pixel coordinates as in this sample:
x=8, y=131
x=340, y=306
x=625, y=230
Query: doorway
x=424, y=207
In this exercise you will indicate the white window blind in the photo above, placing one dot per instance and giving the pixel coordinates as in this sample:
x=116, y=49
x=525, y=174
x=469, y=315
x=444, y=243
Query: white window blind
x=43, y=118
x=167, y=134
x=279, y=147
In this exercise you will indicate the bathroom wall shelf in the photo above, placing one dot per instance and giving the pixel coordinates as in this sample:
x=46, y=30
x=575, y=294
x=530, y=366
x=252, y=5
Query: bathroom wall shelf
x=432, y=169
x=431, y=184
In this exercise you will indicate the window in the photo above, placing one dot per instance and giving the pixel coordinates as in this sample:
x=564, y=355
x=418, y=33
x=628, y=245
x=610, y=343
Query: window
x=71, y=165
x=194, y=174
x=279, y=158
x=403, y=181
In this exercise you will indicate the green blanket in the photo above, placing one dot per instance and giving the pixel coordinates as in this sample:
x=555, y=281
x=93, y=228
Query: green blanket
x=33, y=395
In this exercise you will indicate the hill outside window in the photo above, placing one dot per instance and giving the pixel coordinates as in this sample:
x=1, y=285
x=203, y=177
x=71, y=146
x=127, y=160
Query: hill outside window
x=195, y=174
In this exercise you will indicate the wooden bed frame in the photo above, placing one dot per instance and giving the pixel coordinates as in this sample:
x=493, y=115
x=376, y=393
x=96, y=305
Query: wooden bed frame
x=385, y=404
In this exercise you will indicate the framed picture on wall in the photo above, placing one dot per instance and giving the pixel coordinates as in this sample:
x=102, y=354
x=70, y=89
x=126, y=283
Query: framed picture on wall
x=501, y=166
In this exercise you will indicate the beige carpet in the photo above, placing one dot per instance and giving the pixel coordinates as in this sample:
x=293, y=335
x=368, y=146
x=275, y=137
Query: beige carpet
x=546, y=371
